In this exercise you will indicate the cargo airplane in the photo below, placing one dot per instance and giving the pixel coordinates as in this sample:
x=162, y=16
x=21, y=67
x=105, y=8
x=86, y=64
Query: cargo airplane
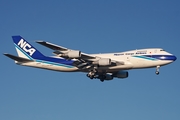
x=97, y=66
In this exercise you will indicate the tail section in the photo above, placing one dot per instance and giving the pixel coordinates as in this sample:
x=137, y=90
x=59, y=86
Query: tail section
x=25, y=49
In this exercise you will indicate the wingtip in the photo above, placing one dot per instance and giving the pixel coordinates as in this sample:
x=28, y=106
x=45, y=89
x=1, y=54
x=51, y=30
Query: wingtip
x=5, y=53
x=40, y=41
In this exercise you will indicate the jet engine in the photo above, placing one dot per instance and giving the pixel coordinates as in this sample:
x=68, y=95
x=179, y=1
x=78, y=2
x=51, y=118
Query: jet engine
x=103, y=62
x=72, y=54
x=108, y=77
x=121, y=74
x=105, y=77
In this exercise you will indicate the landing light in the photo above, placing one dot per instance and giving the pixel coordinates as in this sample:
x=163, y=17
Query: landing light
x=163, y=57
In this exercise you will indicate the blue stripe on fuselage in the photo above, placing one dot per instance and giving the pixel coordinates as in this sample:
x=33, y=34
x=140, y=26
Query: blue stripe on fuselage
x=56, y=61
x=157, y=57
x=145, y=57
x=162, y=57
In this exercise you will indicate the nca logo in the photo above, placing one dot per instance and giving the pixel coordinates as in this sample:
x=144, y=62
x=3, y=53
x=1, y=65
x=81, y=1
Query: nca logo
x=26, y=47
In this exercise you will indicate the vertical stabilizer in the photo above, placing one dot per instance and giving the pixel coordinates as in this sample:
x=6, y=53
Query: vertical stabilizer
x=25, y=49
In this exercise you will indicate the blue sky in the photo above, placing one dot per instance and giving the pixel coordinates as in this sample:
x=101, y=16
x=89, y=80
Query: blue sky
x=94, y=26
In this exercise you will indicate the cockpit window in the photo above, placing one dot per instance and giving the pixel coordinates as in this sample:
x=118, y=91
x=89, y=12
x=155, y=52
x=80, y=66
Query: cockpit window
x=162, y=50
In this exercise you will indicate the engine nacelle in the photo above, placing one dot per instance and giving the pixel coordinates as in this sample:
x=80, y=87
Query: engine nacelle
x=121, y=74
x=103, y=62
x=105, y=77
x=72, y=54
x=108, y=77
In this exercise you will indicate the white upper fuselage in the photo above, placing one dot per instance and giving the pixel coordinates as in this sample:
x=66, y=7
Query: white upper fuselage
x=137, y=58
x=134, y=59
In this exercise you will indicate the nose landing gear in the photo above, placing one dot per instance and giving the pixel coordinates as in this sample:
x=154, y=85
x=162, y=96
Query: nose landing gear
x=157, y=70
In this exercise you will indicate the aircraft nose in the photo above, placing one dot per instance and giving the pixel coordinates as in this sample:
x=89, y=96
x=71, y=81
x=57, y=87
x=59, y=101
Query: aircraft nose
x=168, y=57
x=174, y=58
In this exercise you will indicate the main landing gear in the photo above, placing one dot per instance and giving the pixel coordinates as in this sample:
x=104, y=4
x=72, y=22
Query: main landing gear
x=157, y=70
x=91, y=74
x=102, y=78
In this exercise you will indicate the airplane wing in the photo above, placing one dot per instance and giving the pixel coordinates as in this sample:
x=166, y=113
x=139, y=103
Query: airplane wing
x=52, y=46
x=59, y=49
x=83, y=61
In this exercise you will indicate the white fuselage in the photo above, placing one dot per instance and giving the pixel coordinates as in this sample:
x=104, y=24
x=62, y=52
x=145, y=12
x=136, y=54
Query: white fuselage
x=135, y=59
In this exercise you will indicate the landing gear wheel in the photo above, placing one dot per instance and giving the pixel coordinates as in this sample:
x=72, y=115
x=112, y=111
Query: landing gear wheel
x=102, y=80
x=91, y=74
x=157, y=70
x=87, y=75
x=91, y=77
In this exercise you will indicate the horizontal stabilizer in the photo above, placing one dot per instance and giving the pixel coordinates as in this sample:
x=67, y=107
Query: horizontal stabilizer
x=16, y=58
